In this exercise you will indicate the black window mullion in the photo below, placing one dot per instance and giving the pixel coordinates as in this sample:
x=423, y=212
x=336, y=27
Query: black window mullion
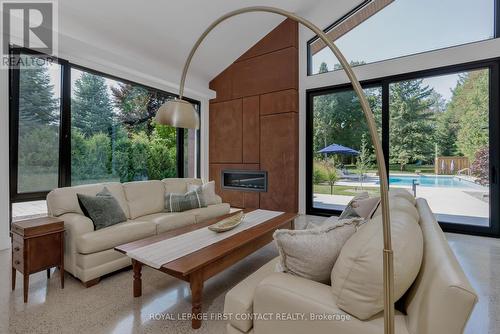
x=180, y=152
x=14, y=124
x=65, y=127
x=494, y=141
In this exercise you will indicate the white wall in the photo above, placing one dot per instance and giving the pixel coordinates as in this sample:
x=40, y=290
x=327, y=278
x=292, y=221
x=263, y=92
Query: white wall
x=4, y=160
x=450, y=56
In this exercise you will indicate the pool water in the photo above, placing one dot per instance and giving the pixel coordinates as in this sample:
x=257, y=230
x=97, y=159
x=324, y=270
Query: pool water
x=431, y=181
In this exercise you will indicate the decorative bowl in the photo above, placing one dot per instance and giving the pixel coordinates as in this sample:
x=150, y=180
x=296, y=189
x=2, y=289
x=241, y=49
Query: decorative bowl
x=228, y=223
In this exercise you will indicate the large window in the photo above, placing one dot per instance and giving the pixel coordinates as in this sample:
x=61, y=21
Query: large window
x=408, y=27
x=38, y=117
x=72, y=125
x=113, y=136
x=439, y=131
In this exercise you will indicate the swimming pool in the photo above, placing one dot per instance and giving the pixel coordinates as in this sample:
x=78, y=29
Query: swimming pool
x=431, y=181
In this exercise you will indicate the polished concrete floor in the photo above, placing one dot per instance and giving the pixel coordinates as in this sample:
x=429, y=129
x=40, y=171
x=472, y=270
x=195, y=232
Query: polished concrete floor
x=110, y=308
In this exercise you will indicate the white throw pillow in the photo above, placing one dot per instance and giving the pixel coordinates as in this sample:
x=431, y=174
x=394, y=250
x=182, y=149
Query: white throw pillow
x=349, y=211
x=357, y=276
x=312, y=253
x=366, y=207
x=207, y=191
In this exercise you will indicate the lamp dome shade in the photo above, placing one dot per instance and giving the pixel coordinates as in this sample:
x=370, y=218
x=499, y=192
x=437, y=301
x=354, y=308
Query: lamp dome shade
x=178, y=113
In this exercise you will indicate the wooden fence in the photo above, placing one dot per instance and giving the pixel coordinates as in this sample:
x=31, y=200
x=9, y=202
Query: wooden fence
x=450, y=165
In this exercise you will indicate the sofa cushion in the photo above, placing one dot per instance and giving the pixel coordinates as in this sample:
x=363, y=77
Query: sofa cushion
x=283, y=294
x=402, y=192
x=64, y=200
x=166, y=221
x=144, y=197
x=113, y=236
x=179, y=185
x=312, y=253
x=209, y=212
x=398, y=203
x=103, y=209
x=357, y=276
x=400, y=199
x=239, y=300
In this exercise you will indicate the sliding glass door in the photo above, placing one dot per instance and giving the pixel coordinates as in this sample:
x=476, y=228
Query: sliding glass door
x=439, y=131
x=343, y=161
x=439, y=143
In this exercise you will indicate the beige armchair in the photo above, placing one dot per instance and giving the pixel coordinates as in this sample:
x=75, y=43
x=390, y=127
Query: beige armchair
x=440, y=300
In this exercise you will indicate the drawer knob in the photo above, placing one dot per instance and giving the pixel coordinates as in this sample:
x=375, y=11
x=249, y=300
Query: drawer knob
x=16, y=249
x=17, y=262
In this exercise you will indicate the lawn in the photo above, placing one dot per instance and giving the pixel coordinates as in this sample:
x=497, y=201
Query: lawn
x=344, y=190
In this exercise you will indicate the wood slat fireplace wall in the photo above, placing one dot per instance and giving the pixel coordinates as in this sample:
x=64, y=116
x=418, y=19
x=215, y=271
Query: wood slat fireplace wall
x=254, y=121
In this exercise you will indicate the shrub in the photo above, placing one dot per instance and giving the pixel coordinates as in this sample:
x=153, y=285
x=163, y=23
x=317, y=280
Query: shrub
x=39, y=147
x=331, y=172
x=480, y=166
x=319, y=173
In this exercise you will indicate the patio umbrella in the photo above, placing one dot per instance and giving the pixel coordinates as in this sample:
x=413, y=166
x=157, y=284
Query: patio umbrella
x=452, y=166
x=443, y=167
x=339, y=149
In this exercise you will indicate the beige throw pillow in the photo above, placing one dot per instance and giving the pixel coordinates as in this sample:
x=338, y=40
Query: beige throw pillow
x=349, y=211
x=366, y=207
x=312, y=253
x=207, y=191
x=357, y=276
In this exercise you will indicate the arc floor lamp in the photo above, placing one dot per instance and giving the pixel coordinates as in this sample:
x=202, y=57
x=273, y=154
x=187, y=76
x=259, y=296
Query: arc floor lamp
x=180, y=113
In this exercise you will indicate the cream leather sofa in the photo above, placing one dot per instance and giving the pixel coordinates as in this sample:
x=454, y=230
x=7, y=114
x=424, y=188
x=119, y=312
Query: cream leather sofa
x=440, y=300
x=89, y=254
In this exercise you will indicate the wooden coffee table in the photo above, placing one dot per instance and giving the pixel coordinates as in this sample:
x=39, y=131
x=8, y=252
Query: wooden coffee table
x=200, y=265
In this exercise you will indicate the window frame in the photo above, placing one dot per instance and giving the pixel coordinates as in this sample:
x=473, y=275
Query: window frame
x=492, y=64
x=64, y=169
x=355, y=9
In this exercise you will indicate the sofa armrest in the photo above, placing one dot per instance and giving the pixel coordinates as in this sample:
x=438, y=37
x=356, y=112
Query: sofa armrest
x=283, y=295
x=74, y=226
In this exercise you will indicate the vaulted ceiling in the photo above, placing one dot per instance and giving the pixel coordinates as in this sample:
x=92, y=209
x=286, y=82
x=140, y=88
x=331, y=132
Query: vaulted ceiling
x=155, y=36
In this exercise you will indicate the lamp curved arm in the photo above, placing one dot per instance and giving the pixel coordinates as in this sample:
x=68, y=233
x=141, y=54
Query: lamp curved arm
x=382, y=171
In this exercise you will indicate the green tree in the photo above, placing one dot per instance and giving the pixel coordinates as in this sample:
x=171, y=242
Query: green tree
x=323, y=68
x=411, y=120
x=37, y=102
x=447, y=126
x=137, y=106
x=338, y=118
x=363, y=159
x=331, y=172
x=91, y=109
x=470, y=101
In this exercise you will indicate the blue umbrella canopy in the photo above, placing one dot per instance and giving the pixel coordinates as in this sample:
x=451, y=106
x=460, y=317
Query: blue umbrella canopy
x=339, y=149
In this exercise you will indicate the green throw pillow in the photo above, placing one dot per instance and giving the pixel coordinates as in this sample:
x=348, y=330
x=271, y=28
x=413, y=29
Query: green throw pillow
x=103, y=209
x=183, y=202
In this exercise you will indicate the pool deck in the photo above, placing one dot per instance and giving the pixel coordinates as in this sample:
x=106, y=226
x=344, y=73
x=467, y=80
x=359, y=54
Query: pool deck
x=455, y=205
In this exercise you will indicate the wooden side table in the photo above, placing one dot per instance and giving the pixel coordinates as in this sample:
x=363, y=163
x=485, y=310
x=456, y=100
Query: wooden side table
x=37, y=244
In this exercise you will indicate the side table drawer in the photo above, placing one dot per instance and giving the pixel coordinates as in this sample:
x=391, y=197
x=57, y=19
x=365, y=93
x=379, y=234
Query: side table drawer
x=44, y=251
x=18, y=256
